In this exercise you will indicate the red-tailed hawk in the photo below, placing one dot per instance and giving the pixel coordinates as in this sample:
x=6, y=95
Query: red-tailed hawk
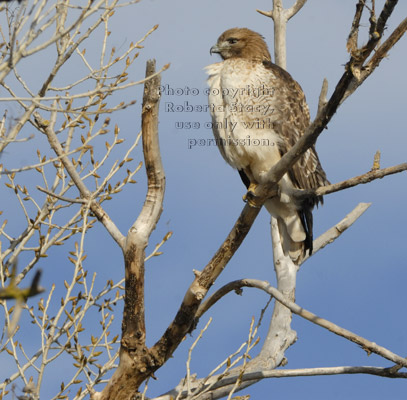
x=258, y=113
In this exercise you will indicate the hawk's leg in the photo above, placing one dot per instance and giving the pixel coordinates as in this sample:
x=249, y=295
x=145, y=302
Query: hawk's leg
x=304, y=198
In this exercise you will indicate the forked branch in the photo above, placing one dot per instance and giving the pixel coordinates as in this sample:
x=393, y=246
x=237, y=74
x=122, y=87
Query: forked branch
x=136, y=362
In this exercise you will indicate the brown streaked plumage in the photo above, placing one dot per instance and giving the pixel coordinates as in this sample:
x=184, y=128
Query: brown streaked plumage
x=277, y=115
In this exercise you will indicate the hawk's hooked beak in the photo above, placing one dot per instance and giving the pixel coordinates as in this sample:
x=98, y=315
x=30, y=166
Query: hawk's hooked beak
x=214, y=49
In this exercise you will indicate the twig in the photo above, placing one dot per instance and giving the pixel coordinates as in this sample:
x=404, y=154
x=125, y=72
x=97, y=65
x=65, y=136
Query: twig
x=39, y=165
x=232, y=360
x=376, y=161
x=361, y=179
x=188, y=377
x=155, y=252
x=66, y=199
x=322, y=97
x=90, y=93
x=245, y=357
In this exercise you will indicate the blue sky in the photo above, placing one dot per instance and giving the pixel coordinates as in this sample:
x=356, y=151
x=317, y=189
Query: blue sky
x=359, y=282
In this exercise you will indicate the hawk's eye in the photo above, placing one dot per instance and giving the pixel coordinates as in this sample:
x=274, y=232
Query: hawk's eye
x=233, y=40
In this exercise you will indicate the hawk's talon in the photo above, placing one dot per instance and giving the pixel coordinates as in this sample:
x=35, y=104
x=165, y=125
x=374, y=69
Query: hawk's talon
x=250, y=199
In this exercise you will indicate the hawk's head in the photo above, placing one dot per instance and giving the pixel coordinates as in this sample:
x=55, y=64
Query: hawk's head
x=241, y=43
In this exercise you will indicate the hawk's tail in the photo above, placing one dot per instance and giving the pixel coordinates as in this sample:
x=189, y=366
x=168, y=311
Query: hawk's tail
x=294, y=223
x=295, y=229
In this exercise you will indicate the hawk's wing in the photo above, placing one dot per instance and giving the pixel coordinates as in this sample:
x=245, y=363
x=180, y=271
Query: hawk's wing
x=217, y=105
x=307, y=172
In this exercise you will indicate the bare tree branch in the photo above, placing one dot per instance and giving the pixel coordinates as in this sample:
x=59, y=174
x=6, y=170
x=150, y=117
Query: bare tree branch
x=322, y=97
x=34, y=166
x=384, y=372
x=364, y=343
x=185, y=318
x=139, y=233
x=296, y=309
x=279, y=336
x=252, y=377
x=365, y=71
x=320, y=371
x=333, y=233
x=267, y=191
x=361, y=179
x=136, y=362
x=47, y=128
x=221, y=386
x=352, y=43
x=290, y=12
x=280, y=29
x=280, y=18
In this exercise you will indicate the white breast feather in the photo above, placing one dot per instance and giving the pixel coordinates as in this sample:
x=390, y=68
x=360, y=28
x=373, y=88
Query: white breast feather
x=243, y=118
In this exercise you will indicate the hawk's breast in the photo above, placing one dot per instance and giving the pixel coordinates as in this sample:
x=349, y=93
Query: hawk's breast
x=244, y=110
